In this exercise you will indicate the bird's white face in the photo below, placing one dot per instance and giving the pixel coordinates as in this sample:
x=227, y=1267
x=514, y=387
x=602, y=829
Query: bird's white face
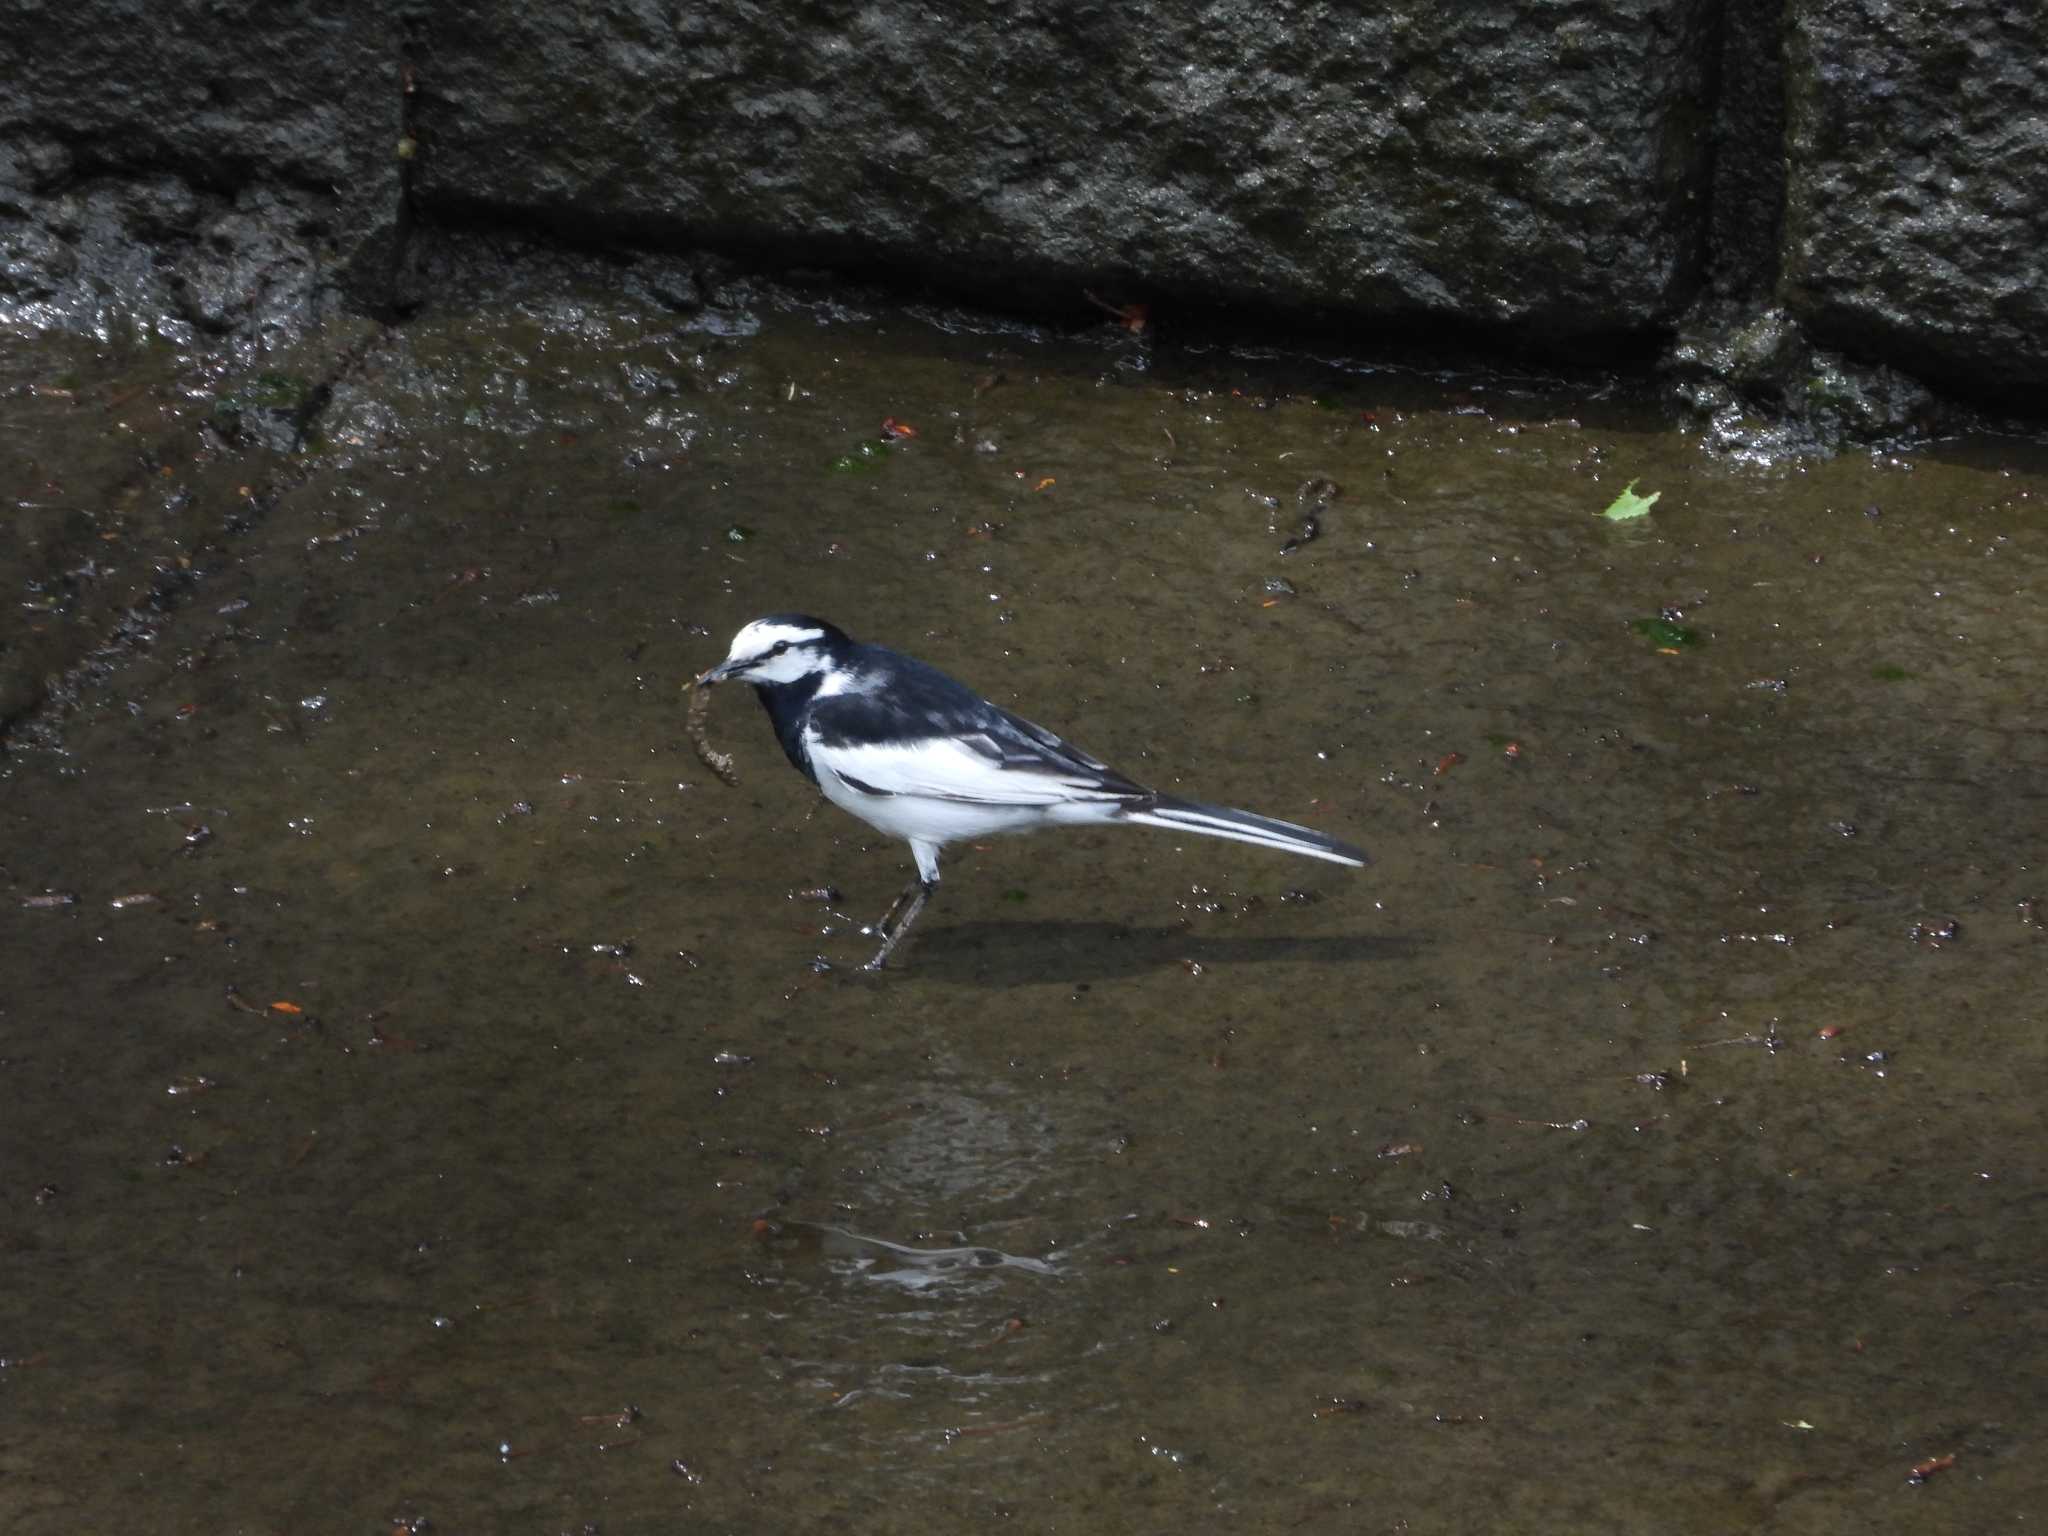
x=772, y=651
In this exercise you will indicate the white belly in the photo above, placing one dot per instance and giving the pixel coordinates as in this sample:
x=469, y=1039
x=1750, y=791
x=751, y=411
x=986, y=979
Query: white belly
x=924, y=819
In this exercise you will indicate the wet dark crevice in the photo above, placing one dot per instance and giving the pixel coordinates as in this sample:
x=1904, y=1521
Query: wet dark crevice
x=1745, y=180
x=405, y=212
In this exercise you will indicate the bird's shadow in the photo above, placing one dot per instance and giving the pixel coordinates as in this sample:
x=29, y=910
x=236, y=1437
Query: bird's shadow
x=1017, y=953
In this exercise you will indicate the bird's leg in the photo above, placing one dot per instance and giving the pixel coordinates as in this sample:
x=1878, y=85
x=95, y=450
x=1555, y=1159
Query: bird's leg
x=903, y=896
x=892, y=926
x=909, y=903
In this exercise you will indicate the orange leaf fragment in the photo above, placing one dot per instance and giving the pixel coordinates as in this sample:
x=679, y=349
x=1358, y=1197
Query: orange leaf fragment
x=891, y=427
x=1134, y=318
x=284, y=1007
x=1923, y=1470
x=1043, y=484
x=1447, y=762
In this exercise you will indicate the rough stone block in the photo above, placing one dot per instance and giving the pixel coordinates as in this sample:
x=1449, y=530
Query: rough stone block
x=1527, y=164
x=1916, y=226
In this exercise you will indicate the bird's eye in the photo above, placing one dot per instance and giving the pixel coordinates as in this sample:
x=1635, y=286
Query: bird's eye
x=778, y=648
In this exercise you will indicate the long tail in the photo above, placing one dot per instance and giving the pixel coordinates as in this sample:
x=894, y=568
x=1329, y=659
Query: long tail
x=1243, y=827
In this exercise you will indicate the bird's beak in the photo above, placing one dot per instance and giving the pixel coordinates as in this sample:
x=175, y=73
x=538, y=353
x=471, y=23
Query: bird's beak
x=717, y=674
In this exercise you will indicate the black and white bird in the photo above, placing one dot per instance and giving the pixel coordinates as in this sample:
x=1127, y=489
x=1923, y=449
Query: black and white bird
x=919, y=756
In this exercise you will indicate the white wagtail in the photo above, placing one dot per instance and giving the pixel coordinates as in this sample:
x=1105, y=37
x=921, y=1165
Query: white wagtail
x=919, y=756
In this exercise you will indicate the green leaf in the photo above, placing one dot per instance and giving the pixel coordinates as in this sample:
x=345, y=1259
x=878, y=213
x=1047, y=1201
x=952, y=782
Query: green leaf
x=864, y=460
x=1629, y=505
x=1664, y=633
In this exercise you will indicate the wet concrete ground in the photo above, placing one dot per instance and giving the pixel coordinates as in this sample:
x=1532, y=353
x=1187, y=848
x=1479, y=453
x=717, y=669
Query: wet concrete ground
x=420, y=1103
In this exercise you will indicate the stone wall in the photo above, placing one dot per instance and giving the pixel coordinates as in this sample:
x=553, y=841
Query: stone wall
x=1528, y=172
x=1525, y=167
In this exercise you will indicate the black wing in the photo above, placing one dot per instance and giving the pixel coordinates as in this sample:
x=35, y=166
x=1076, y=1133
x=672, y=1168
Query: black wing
x=892, y=729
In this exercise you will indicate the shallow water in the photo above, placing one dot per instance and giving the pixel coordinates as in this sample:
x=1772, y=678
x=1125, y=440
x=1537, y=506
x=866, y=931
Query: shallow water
x=1648, y=1140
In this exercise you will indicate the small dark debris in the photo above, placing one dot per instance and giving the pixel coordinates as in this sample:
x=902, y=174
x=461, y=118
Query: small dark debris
x=1311, y=501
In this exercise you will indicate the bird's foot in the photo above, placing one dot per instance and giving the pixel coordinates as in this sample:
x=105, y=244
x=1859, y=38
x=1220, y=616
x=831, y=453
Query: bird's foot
x=879, y=961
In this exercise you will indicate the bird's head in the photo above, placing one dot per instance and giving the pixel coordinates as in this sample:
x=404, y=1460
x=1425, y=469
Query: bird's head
x=782, y=648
